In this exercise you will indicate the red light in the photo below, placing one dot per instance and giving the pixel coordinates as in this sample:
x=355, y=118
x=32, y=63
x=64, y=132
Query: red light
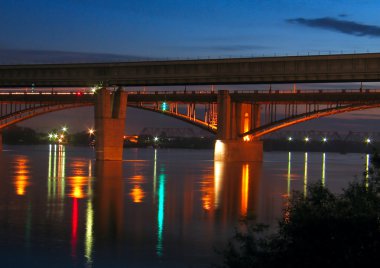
x=79, y=93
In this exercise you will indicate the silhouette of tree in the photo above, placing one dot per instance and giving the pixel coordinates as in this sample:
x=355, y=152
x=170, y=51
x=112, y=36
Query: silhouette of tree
x=320, y=230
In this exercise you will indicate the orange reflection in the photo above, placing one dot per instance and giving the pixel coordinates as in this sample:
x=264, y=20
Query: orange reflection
x=79, y=180
x=79, y=168
x=207, y=189
x=237, y=189
x=77, y=183
x=244, y=189
x=137, y=193
x=21, y=174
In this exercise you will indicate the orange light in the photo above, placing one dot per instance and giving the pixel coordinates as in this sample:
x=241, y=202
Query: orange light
x=137, y=194
x=244, y=189
x=21, y=178
x=247, y=138
x=77, y=183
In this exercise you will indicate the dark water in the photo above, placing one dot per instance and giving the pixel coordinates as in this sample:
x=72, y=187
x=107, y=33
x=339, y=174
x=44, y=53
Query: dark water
x=158, y=208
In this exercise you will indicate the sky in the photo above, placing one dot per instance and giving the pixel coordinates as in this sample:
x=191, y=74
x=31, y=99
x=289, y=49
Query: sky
x=34, y=31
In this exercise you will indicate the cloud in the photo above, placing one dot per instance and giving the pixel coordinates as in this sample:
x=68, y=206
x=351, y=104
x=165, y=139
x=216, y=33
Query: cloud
x=342, y=26
x=16, y=56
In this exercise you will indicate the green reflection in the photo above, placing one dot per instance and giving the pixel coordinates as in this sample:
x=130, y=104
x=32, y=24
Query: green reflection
x=154, y=175
x=89, y=239
x=324, y=169
x=289, y=172
x=55, y=162
x=62, y=160
x=49, y=173
x=160, y=213
x=305, y=177
x=366, y=170
x=56, y=175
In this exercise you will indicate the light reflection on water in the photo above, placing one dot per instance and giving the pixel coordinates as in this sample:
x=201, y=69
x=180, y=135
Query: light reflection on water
x=167, y=208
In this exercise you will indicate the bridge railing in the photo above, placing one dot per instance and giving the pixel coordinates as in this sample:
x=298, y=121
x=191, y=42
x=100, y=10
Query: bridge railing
x=82, y=91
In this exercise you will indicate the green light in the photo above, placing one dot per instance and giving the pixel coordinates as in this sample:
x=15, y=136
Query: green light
x=366, y=170
x=305, y=177
x=89, y=238
x=324, y=169
x=164, y=106
x=289, y=172
x=160, y=213
x=49, y=173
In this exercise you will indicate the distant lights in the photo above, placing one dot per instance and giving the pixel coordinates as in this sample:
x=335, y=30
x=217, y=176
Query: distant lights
x=367, y=140
x=91, y=131
x=155, y=139
x=290, y=138
x=307, y=139
x=324, y=139
x=64, y=129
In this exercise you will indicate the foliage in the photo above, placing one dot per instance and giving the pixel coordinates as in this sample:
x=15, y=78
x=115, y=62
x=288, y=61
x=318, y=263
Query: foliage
x=319, y=230
x=20, y=135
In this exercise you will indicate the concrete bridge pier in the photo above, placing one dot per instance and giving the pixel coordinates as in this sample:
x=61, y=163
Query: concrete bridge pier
x=233, y=120
x=110, y=113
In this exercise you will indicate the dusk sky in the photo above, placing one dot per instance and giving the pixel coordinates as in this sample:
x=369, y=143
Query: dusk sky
x=93, y=30
x=196, y=28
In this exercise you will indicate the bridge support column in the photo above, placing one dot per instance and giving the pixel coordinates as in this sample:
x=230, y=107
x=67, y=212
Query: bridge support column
x=110, y=113
x=234, y=119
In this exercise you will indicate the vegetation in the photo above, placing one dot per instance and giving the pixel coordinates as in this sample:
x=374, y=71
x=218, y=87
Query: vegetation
x=319, y=230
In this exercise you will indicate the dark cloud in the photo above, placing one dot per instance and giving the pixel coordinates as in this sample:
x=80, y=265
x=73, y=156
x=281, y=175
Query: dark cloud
x=15, y=56
x=343, y=26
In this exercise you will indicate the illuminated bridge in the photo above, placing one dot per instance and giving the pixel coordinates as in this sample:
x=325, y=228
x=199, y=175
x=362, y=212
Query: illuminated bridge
x=247, y=115
x=238, y=118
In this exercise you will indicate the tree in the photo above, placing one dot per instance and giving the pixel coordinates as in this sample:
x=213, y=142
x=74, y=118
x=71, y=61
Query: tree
x=320, y=230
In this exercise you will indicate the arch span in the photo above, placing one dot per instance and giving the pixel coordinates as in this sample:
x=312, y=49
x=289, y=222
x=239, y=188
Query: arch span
x=31, y=112
x=28, y=113
x=266, y=129
x=196, y=122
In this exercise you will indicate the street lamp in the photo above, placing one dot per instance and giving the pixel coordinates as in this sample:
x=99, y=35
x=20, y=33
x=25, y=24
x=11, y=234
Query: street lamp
x=324, y=139
x=290, y=139
x=307, y=139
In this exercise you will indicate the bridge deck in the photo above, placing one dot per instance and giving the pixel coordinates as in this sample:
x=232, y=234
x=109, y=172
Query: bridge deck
x=295, y=69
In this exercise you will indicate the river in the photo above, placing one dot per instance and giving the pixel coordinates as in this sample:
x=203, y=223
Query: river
x=157, y=208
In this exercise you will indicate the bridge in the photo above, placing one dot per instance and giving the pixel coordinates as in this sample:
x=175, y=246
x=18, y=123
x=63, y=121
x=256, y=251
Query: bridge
x=238, y=118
